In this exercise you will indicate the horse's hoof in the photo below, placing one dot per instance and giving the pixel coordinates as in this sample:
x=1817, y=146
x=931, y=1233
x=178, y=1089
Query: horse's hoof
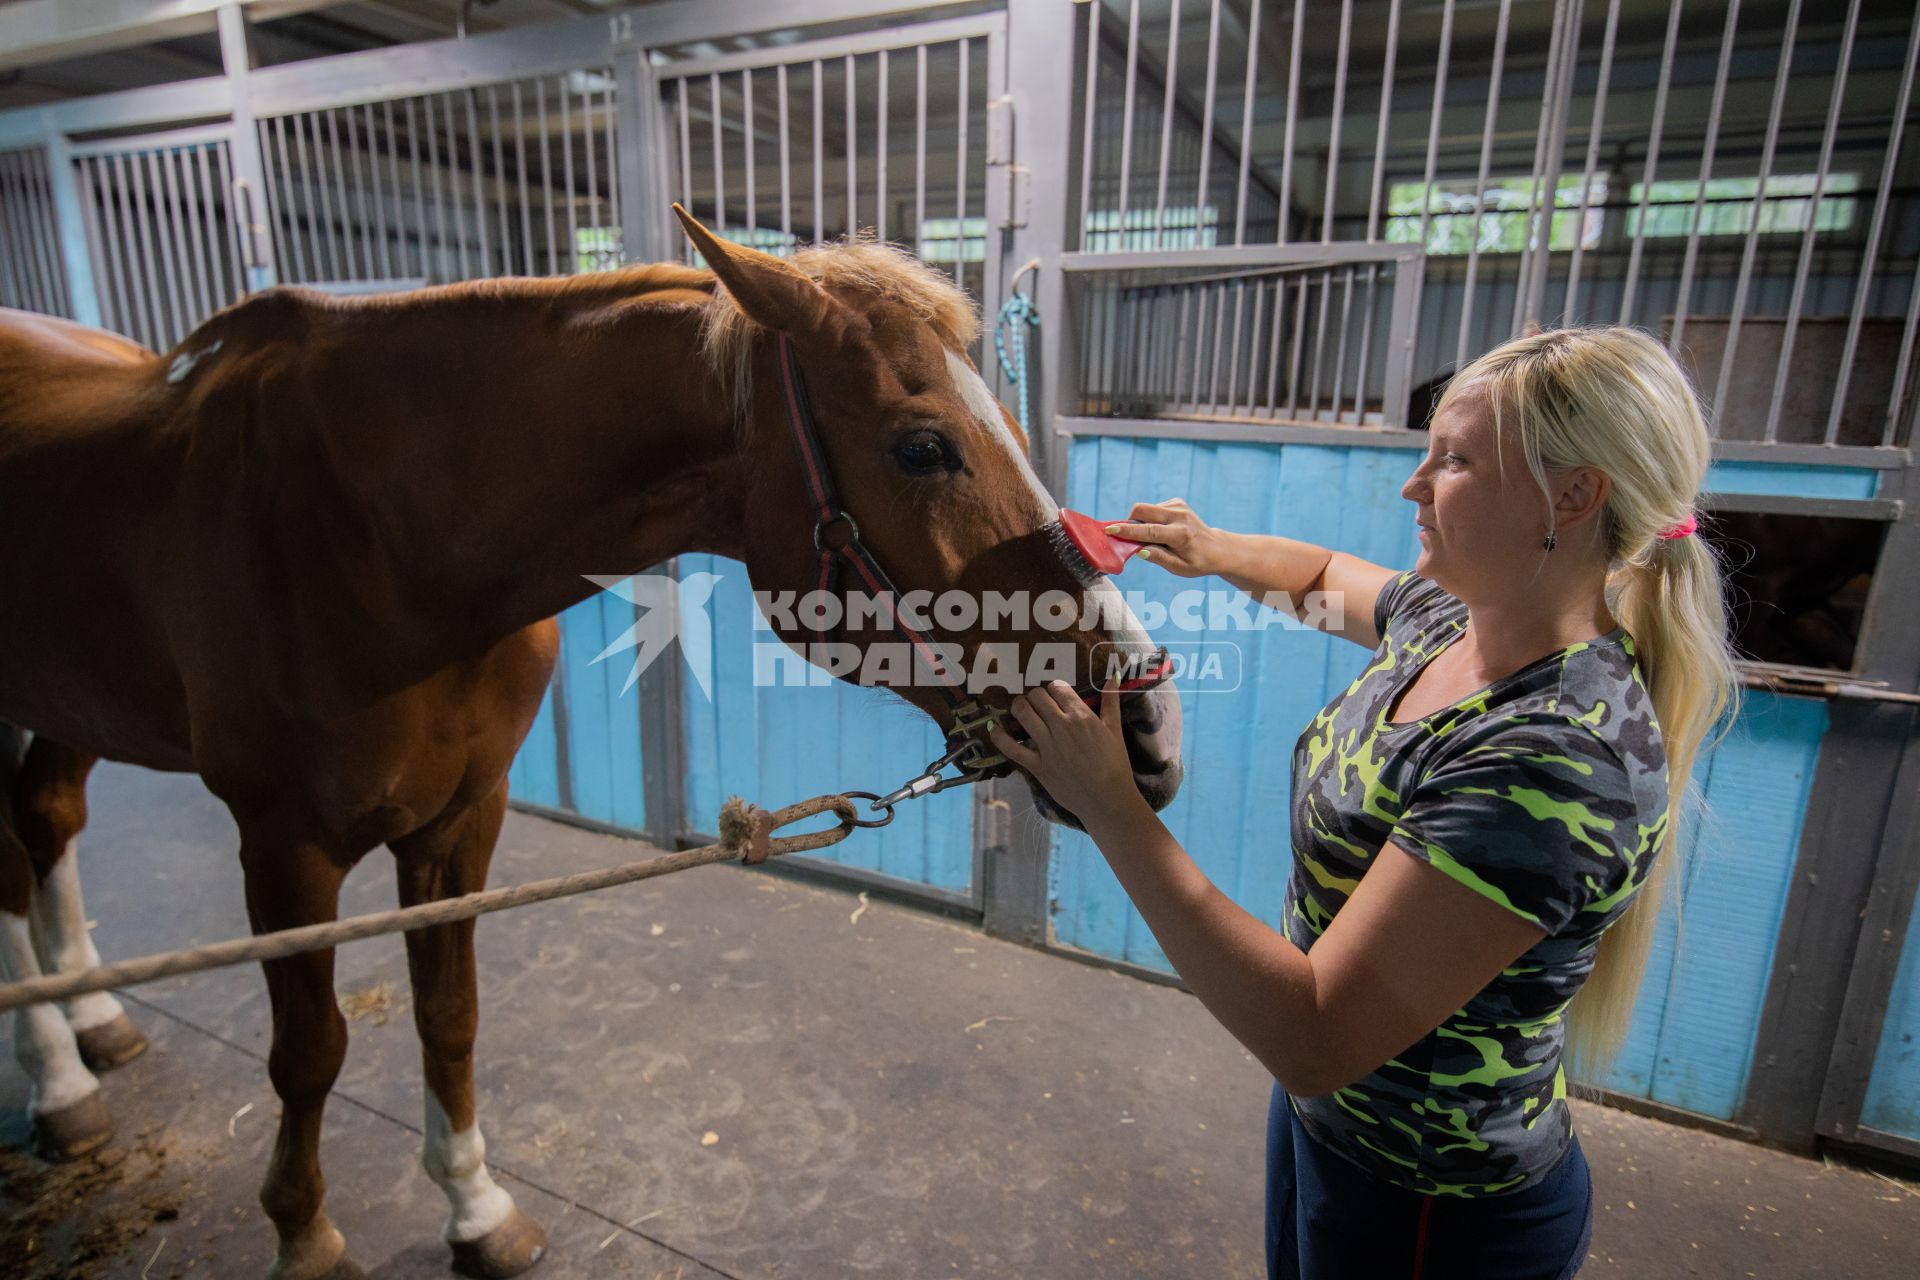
x=320, y=1254
x=111, y=1044
x=507, y=1250
x=74, y=1130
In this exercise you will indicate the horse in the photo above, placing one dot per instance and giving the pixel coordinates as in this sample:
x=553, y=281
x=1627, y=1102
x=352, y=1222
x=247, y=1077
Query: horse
x=314, y=553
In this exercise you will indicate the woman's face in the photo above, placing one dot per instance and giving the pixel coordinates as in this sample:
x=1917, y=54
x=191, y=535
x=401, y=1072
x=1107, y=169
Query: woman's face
x=1481, y=516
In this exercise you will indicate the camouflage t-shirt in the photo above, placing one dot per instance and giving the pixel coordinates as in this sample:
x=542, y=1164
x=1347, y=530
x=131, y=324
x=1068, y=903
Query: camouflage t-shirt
x=1546, y=792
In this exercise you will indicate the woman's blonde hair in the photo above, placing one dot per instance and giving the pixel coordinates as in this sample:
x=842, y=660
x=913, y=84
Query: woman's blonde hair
x=1612, y=398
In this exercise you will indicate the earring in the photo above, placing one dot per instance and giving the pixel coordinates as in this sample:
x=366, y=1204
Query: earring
x=1552, y=540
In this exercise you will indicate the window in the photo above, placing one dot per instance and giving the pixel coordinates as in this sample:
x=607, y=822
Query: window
x=1730, y=205
x=766, y=239
x=596, y=248
x=1181, y=227
x=945, y=240
x=1504, y=217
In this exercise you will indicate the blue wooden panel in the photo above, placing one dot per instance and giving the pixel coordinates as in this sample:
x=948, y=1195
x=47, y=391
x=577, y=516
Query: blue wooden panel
x=1692, y=1038
x=535, y=775
x=776, y=744
x=1893, y=1091
x=602, y=722
x=1792, y=480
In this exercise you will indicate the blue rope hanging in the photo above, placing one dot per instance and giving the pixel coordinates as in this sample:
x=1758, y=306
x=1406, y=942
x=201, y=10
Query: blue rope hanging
x=1019, y=312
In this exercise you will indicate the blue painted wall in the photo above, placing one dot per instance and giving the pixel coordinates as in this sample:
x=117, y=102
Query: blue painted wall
x=1692, y=1040
x=776, y=745
x=603, y=757
x=1893, y=1091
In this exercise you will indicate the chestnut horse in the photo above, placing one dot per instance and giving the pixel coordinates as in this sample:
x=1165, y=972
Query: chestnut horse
x=314, y=553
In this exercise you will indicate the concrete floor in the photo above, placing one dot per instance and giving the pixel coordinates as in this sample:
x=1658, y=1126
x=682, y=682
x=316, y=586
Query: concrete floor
x=726, y=1074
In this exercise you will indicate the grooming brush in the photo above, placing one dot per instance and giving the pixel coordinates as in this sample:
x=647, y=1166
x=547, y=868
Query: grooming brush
x=1086, y=546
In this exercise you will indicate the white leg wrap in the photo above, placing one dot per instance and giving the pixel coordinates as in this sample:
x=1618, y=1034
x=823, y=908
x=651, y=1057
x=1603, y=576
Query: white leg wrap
x=60, y=935
x=42, y=1039
x=458, y=1162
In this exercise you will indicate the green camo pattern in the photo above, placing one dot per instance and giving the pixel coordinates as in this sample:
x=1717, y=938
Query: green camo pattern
x=1546, y=793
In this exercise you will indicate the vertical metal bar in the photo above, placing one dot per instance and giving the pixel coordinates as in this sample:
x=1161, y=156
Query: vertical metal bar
x=80, y=244
x=1364, y=365
x=1340, y=356
x=296, y=237
x=1400, y=340
x=1637, y=226
x=376, y=192
x=520, y=175
x=204, y=300
x=719, y=154
x=1126, y=125
x=1319, y=345
x=1219, y=336
x=1166, y=120
x=1433, y=120
x=211, y=199
x=920, y=147
x=1294, y=356
x=1556, y=158
x=593, y=170
x=236, y=256
x=275, y=174
x=15, y=262
x=819, y=153
x=338, y=187
x=1813, y=218
x=960, y=174
x=566, y=175
x=35, y=206
x=1246, y=129
x=1897, y=401
x=139, y=262
x=880, y=155
x=1293, y=112
x=1685, y=290
x=546, y=174
x=443, y=178
x=1570, y=313
x=302, y=125
x=749, y=142
x=1546, y=137
x=399, y=193
x=686, y=158
x=1887, y=171
x=850, y=73
x=1480, y=183
x=1202, y=198
x=786, y=163
x=1253, y=345
x=156, y=297
x=499, y=183
x=368, y=244
x=117, y=237
x=1782, y=72
x=1273, y=344
x=1233, y=362
x=173, y=233
x=628, y=252
x=1333, y=129
x=476, y=180
x=1086, y=121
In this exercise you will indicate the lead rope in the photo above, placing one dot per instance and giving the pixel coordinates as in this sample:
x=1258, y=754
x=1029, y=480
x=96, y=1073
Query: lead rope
x=1019, y=313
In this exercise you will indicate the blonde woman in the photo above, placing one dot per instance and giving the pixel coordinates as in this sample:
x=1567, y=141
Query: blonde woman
x=1476, y=820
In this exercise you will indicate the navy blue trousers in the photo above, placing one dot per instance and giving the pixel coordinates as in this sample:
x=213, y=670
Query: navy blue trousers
x=1329, y=1219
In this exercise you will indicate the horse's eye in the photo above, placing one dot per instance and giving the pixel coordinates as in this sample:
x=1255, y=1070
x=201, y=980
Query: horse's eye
x=924, y=453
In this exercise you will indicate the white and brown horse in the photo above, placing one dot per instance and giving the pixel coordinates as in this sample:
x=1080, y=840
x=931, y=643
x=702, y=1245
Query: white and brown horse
x=313, y=554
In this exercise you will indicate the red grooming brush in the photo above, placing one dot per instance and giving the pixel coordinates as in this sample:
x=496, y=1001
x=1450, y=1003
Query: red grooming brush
x=1100, y=550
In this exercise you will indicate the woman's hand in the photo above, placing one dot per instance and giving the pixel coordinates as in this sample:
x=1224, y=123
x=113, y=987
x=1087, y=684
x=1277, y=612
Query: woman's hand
x=1178, y=540
x=1079, y=757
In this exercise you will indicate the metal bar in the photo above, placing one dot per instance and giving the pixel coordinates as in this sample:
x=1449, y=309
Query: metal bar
x=1402, y=333
x=296, y=235
x=1166, y=120
x=686, y=157
x=718, y=157
x=1239, y=318
x=111, y=191
x=1293, y=357
x=204, y=299
x=276, y=174
x=1201, y=196
x=1340, y=350
x=1219, y=331
x=920, y=148
x=880, y=157
x=203, y=99
x=301, y=126
x=73, y=211
x=1813, y=219
x=1440, y=67
x=156, y=303
x=213, y=197
x=1637, y=226
x=1544, y=133
x=1782, y=72
x=960, y=173
x=338, y=188
x=1087, y=119
x=1570, y=311
x=38, y=249
x=376, y=192
x=1480, y=183
x=236, y=256
x=897, y=37
x=399, y=192
x=1373, y=201
x=1273, y=345
x=520, y=174
x=786, y=160
x=593, y=167
x=1253, y=344
x=170, y=222
x=1232, y=259
x=368, y=254
x=1556, y=155
x=1247, y=431
x=499, y=186
x=849, y=74
x=1684, y=290
x=1320, y=344
x=1282, y=234
x=751, y=135
x=184, y=137
x=566, y=176
x=820, y=152
x=1870, y=250
x=546, y=175
x=627, y=251
x=445, y=177
x=14, y=271
x=1126, y=118
x=1339, y=113
x=1246, y=128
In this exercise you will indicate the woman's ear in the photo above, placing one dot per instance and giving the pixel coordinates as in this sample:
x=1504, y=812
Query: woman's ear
x=1580, y=492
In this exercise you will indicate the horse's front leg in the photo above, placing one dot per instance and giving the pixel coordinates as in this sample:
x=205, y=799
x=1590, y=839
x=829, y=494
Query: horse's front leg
x=490, y=1237
x=290, y=883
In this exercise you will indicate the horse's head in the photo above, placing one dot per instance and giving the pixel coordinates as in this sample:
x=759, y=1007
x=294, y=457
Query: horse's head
x=921, y=478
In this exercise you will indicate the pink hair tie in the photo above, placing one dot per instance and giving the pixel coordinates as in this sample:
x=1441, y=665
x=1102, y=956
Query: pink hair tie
x=1681, y=530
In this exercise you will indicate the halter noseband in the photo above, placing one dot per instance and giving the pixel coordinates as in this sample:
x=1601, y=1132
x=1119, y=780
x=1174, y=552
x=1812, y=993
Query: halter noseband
x=970, y=717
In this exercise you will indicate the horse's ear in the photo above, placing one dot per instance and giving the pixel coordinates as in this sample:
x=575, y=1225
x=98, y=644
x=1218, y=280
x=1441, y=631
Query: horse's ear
x=772, y=293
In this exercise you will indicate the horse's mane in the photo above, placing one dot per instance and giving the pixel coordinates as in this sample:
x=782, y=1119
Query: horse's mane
x=888, y=274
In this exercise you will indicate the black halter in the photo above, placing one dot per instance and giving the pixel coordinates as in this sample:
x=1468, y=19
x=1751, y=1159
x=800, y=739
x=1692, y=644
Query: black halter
x=970, y=718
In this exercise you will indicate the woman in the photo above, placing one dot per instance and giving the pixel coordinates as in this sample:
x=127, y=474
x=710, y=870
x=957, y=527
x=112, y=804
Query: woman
x=1475, y=820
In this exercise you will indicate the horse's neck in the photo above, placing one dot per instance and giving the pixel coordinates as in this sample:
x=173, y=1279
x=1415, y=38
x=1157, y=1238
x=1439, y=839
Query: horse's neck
x=513, y=440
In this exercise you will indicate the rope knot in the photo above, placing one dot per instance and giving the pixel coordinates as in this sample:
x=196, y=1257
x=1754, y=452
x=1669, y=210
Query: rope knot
x=746, y=830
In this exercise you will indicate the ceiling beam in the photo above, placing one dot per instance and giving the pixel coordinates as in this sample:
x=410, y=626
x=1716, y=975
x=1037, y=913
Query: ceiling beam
x=39, y=31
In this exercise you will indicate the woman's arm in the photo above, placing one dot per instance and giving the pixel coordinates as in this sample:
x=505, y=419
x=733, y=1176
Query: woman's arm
x=1409, y=948
x=1262, y=565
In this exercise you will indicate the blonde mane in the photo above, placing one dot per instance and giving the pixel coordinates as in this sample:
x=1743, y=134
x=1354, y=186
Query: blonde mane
x=886, y=273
